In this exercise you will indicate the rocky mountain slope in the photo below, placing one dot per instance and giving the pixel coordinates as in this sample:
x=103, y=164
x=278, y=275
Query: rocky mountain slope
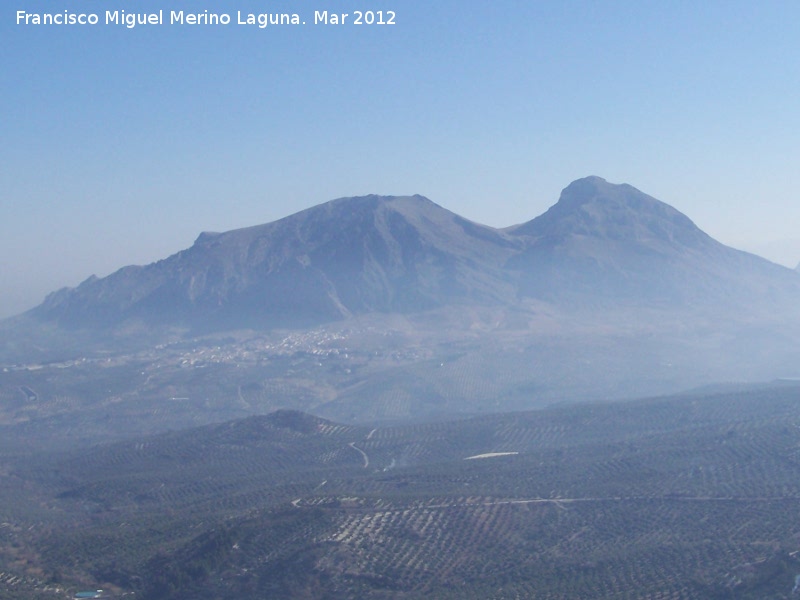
x=600, y=243
x=348, y=256
x=613, y=242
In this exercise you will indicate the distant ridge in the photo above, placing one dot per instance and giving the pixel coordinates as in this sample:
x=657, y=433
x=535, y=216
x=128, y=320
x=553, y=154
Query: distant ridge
x=610, y=242
x=348, y=256
x=600, y=243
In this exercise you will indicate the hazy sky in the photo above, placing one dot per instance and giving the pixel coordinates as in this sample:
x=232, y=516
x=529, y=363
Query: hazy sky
x=118, y=146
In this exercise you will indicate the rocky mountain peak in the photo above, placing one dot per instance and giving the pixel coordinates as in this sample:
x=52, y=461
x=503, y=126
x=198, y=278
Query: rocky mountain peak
x=406, y=254
x=593, y=207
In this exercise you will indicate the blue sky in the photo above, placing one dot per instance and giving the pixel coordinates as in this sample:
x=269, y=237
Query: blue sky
x=120, y=145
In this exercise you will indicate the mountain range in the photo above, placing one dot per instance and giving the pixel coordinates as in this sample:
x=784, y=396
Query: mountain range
x=377, y=398
x=599, y=244
x=393, y=308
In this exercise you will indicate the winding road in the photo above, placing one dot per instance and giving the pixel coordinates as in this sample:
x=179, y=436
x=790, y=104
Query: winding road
x=361, y=452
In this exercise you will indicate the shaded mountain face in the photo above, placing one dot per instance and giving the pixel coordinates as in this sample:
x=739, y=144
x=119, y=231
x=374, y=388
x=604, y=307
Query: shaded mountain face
x=605, y=242
x=345, y=257
x=601, y=243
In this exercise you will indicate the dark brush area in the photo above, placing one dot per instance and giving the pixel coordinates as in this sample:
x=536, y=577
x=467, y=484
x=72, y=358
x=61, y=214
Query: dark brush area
x=690, y=496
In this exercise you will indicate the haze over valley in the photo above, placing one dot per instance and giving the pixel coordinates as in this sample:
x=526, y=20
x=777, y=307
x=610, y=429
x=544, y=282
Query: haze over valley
x=287, y=410
x=393, y=307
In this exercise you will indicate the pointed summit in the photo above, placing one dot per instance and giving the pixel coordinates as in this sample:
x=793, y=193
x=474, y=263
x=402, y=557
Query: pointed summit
x=605, y=242
x=594, y=208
